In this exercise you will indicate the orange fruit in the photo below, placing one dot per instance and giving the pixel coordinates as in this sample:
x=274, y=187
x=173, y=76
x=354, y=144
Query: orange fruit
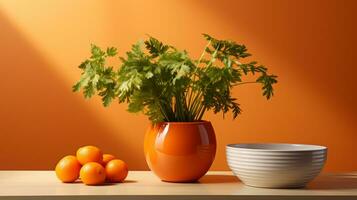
x=107, y=158
x=92, y=173
x=67, y=169
x=88, y=154
x=116, y=170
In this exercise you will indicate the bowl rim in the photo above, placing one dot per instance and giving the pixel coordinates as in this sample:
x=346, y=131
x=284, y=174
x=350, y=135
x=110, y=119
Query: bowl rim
x=250, y=147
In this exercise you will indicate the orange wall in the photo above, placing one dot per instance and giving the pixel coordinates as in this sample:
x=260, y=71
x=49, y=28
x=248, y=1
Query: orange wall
x=309, y=44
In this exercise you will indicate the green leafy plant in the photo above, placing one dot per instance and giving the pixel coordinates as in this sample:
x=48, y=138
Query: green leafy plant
x=167, y=85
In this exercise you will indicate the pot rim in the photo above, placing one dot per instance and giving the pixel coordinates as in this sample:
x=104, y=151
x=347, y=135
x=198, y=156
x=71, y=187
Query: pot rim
x=187, y=123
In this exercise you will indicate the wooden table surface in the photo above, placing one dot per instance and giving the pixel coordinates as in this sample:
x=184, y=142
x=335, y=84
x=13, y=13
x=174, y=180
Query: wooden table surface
x=145, y=185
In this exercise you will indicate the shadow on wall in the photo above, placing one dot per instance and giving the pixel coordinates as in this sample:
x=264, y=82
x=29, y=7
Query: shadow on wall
x=34, y=100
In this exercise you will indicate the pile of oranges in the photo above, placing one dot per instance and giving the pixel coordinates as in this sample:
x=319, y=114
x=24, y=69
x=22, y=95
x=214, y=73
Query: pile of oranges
x=92, y=167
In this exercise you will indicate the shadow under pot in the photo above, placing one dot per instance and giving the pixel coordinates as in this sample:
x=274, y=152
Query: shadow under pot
x=180, y=151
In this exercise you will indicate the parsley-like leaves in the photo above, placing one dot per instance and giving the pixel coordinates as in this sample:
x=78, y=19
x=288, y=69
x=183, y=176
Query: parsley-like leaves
x=167, y=85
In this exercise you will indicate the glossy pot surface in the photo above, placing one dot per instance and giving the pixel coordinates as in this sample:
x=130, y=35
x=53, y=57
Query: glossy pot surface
x=180, y=151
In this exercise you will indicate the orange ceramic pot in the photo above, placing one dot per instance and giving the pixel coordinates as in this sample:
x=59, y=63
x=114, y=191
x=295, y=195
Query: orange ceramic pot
x=180, y=151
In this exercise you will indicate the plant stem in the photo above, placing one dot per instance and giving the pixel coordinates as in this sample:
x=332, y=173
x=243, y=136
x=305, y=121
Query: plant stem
x=164, y=113
x=242, y=83
x=203, y=53
x=202, y=112
x=197, y=65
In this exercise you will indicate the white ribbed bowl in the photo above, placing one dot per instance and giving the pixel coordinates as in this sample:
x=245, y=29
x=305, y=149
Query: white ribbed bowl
x=276, y=165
